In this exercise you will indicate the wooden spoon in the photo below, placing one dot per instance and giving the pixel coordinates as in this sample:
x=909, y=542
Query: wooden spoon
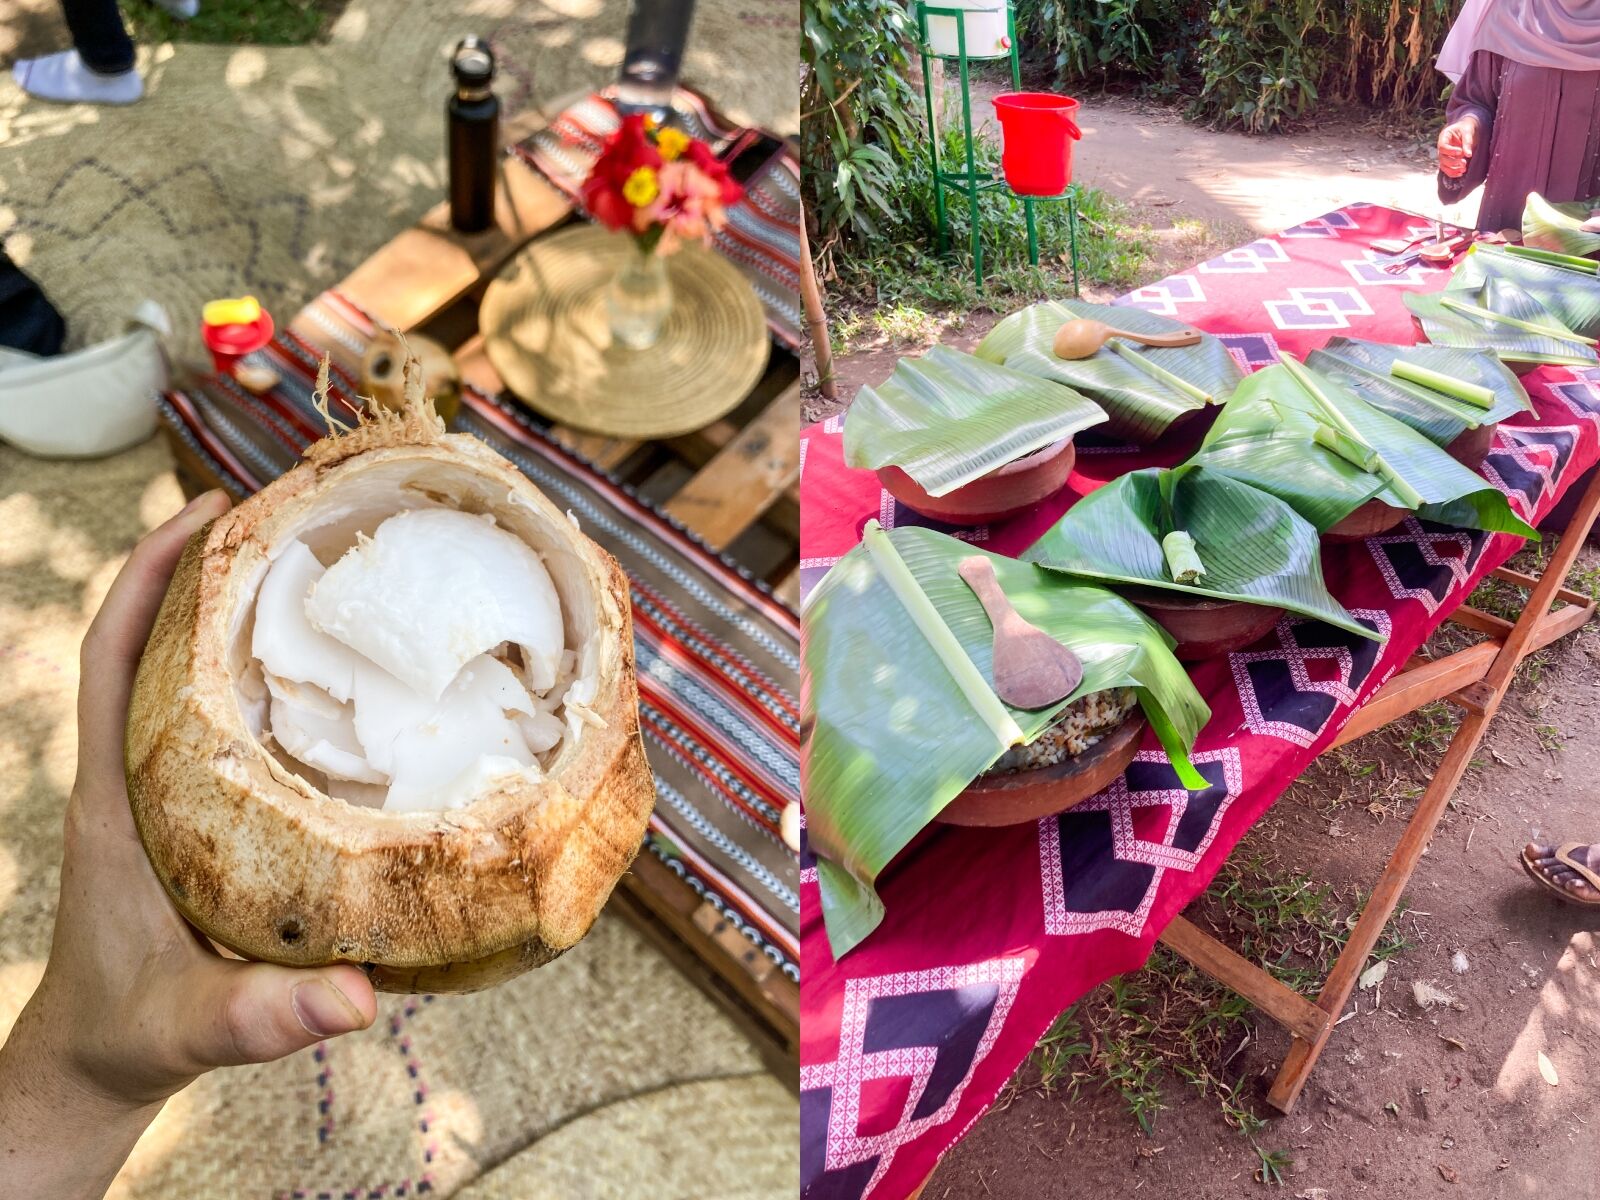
x=1081, y=337
x=1031, y=668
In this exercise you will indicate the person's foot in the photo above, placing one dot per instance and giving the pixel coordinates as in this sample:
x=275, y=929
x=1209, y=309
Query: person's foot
x=63, y=77
x=183, y=10
x=1542, y=859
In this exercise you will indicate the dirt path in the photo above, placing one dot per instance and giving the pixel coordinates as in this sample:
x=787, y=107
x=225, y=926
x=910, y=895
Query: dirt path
x=1172, y=169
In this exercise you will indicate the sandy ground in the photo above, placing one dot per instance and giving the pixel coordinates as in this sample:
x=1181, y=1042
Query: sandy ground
x=1392, y=1109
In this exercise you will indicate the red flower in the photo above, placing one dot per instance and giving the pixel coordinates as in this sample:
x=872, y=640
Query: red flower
x=628, y=149
x=701, y=156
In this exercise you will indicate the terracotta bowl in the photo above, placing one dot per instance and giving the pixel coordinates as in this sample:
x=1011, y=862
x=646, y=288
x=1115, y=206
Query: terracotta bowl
x=1013, y=488
x=1025, y=796
x=1372, y=518
x=1204, y=628
x=1472, y=446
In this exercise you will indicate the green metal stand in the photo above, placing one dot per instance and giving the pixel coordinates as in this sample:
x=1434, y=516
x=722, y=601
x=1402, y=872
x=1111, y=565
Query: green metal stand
x=970, y=182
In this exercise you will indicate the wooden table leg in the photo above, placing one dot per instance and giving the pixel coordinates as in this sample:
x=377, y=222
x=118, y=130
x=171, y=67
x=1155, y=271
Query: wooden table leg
x=1519, y=642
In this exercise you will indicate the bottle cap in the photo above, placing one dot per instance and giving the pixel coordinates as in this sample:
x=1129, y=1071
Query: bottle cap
x=472, y=63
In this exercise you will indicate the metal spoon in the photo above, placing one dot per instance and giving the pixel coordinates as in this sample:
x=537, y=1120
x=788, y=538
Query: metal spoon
x=1081, y=337
x=1031, y=668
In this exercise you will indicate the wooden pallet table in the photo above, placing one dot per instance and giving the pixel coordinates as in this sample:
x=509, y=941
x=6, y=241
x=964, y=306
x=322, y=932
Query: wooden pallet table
x=734, y=483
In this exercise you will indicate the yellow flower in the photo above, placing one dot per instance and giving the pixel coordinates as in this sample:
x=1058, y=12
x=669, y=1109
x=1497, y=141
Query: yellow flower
x=641, y=187
x=672, y=143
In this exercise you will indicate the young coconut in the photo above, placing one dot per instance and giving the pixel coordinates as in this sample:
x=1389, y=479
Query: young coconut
x=388, y=716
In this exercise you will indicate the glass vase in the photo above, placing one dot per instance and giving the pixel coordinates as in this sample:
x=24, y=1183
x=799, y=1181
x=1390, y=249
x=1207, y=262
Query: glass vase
x=639, y=299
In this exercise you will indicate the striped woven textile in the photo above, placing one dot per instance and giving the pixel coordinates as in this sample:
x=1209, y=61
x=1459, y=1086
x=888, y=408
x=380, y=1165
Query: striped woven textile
x=762, y=235
x=717, y=653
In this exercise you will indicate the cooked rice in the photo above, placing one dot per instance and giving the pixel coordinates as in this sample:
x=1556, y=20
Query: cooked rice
x=1080, y=725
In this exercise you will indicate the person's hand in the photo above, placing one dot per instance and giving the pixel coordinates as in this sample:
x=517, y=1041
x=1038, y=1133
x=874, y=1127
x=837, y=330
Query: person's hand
x=1456, y=142
x=134, y=1004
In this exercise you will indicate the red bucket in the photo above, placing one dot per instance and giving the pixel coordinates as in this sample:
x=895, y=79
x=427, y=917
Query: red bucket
x=1037, y=131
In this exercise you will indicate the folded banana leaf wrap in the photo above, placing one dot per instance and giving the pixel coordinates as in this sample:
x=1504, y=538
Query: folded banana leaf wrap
x=1267, y=436
x=948, y=418
x=1253, y=547
x=899, y=703
x=1140, y=403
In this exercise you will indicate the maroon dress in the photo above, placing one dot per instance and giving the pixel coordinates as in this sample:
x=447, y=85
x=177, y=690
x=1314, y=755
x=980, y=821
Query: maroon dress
x=1538, y=131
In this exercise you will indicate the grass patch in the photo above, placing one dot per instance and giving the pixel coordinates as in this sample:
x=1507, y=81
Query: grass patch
x=1167, y=1023
x=236, y=22
x=906, y=273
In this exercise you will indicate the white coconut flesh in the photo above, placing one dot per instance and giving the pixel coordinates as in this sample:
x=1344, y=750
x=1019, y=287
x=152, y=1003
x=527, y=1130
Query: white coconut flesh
x=412, y=658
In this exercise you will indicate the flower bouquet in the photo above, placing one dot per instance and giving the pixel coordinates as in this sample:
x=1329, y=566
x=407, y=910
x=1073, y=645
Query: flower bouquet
x=661, y=187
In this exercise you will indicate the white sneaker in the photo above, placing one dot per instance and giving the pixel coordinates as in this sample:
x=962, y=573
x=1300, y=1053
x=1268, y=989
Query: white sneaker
x=63, y=77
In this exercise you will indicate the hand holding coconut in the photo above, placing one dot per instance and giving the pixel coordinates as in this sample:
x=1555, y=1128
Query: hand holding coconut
x=133, y=1006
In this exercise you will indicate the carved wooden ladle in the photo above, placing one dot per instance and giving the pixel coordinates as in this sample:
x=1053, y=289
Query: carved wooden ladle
x=1081, y=337
x=1031, y=668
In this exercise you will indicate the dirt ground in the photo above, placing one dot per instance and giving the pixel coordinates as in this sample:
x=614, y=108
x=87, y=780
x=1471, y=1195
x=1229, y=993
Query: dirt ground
x=1393, y=1109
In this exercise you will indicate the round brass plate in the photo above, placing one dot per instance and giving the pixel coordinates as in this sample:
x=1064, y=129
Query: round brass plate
x=545, y=330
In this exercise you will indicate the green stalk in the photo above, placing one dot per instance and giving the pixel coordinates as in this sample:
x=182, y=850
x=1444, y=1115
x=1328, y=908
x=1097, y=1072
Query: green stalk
x=945, y=644
x=1183, y=560
x=1407, y=494
x=1555, y=259
x=1160, y=374
x=1353, y=453
x=1473, y=310
x=1474, y=394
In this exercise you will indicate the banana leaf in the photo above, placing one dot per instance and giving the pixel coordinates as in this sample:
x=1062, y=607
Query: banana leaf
x=1140, y=405
x=1540, y=336
x=1266, y=436
x=1556, y=227
x=1253, y=547
x=901, y=707
x=1363, y=366
x=947, y=418
x=1572, y=297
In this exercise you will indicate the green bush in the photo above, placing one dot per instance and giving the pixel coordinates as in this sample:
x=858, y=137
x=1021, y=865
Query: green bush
x=1250, y=63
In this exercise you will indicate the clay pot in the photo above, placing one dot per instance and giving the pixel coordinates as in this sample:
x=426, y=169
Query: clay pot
x=1472, y=446
x=1203, y=627
x=1004, y=492
x=1025, y=796
x=1372, y=518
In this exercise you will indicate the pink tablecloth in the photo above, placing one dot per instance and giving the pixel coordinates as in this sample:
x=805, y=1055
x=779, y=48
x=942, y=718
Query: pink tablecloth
x=990, y=934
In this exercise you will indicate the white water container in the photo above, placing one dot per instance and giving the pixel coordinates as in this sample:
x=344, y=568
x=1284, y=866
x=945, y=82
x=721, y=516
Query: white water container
x=985, y=24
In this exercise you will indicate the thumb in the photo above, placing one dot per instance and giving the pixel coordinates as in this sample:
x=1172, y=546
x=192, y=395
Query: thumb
x=257, y=1012
x=1469, y=134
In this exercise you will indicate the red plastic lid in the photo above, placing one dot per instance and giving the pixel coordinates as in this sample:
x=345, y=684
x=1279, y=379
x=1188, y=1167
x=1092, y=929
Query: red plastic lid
x=238, y=339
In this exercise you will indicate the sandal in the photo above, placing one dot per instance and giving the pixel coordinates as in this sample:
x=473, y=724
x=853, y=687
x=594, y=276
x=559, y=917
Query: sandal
x=1563, y=855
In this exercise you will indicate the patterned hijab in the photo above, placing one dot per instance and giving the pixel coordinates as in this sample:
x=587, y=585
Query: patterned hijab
x=1562, y=34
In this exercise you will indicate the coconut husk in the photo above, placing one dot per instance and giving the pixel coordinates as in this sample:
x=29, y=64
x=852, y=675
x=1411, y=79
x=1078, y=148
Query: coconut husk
x=261, y=860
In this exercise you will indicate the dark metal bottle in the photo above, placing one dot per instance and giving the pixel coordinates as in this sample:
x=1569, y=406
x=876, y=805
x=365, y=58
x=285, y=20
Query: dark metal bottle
x=474, y=138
